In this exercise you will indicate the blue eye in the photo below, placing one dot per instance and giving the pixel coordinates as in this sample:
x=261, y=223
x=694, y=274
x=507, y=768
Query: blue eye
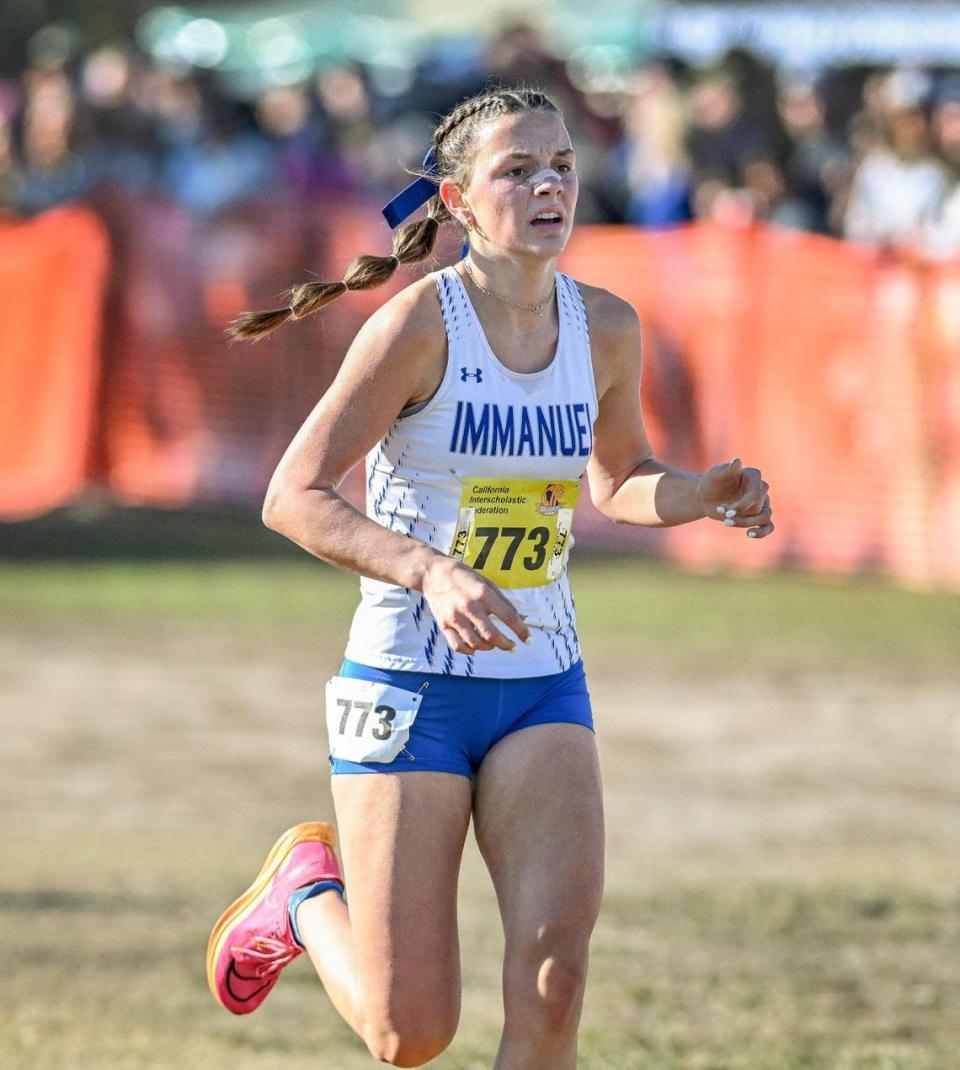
x=515, y=172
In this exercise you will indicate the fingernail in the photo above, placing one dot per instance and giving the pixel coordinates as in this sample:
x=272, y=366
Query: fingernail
x=528, y=640
x=731, y=512
x=720, y=510
x=728, y=523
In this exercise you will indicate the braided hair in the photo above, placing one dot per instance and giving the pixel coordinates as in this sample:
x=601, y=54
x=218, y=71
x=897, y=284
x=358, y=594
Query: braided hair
x=454, y=141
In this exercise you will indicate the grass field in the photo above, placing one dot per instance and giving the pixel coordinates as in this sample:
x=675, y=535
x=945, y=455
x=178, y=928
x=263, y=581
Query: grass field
x=782, y=775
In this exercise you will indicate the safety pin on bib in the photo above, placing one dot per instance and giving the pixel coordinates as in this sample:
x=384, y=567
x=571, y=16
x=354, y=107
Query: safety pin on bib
x=403, y=750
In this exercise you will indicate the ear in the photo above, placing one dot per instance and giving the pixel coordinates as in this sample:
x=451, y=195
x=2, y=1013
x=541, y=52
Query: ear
x=452, y=197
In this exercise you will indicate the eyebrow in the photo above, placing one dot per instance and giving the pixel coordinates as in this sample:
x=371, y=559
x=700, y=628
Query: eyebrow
x=529, y=155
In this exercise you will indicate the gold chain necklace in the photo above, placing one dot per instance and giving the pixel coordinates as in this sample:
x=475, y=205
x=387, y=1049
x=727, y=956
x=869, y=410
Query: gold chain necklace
x=537, y=309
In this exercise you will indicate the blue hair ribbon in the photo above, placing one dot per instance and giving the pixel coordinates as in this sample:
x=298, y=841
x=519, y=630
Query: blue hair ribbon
x=408, y=200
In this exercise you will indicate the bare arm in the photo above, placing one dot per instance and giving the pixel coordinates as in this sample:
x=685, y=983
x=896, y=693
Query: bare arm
x=393, y=360
x=627, y=483
x=397, y=358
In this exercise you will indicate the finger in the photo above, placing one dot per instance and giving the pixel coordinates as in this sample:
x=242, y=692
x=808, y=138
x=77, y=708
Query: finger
x=467, y=627
x=745, y=518
x=764, y=525
x=455, y=641
x=751, y=499
x=720, y=486
x=732, y=469
x=472, y=618
x=761, y=517
x=508, y=614
x=488, y=631
x=723, y=479
x=464, y=638
x=748, y=521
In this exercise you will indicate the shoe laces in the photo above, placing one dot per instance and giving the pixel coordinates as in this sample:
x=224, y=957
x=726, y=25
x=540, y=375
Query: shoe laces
x=266, y=956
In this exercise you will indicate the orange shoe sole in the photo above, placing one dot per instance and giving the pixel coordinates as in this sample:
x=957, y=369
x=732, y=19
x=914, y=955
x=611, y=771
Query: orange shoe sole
x=306, y=832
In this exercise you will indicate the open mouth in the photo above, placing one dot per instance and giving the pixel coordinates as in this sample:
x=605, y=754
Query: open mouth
x=549, y=217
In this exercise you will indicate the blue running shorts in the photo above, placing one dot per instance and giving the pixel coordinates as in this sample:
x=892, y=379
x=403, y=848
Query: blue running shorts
x=461, y=717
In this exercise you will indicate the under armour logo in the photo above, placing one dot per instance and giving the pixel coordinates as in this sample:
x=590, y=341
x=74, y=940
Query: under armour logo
x=465, y=375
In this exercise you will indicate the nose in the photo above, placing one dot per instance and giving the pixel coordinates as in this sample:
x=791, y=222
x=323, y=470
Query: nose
x=546, y=181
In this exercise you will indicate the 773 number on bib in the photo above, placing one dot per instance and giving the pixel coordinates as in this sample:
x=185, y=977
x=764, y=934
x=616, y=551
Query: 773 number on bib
x=516, y=531
x=385, y=714
x=511, y=540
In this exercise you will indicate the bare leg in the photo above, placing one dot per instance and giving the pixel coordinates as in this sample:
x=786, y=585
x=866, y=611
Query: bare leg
x=391, y=965
x=324, y=925
x=538, y=813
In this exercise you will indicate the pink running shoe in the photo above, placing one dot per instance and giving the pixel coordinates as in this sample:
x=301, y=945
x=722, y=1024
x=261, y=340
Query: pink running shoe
x=253, y=940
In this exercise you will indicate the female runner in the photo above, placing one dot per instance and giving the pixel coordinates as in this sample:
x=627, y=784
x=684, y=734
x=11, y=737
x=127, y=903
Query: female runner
x=478, y=395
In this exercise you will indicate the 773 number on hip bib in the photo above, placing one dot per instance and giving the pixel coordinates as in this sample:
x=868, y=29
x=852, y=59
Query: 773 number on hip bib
x=368, y=721
x=516, y=531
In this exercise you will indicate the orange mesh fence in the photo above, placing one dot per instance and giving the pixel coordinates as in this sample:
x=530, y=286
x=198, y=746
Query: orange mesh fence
x=834, y=369
x=53, y=271
x=188, y=418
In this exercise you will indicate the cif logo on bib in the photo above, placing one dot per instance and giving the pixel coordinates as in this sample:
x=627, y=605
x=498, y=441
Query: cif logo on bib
x=551, y=500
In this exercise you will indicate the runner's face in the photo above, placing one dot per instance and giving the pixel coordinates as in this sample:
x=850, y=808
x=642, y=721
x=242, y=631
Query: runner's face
x=523, y=185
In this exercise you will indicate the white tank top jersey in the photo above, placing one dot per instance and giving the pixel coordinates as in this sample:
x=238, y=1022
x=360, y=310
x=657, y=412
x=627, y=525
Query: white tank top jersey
x=488, y=470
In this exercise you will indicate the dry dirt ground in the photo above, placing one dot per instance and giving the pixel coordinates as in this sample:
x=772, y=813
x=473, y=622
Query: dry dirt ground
x=783, y=846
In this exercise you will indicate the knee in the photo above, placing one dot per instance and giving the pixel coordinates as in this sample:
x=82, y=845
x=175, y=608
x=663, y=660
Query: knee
x=408, y=1045
x=561, y=980
x=547, y=987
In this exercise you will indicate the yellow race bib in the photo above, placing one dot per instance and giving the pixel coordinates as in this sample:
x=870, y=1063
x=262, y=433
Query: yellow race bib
x=515, y=531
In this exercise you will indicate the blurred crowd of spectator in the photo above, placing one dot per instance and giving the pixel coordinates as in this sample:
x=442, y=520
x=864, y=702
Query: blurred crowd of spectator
x=870, y=155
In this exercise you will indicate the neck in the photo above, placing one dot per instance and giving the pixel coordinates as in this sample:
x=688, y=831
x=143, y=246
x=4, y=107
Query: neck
x=524, y=282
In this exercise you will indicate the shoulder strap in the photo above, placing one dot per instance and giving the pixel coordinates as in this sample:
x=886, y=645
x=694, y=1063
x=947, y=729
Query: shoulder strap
x=455, y=315
x=571, y=307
